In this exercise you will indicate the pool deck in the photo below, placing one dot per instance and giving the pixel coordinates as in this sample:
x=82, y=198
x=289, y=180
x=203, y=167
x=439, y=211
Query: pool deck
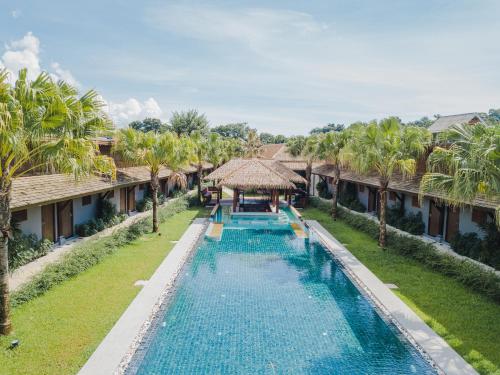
x=447, y=360
x=117, y=346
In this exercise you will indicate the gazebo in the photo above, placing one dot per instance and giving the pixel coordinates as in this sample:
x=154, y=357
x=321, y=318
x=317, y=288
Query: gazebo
x=256, y=174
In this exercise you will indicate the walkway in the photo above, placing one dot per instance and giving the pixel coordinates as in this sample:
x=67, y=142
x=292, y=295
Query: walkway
x=25, y=273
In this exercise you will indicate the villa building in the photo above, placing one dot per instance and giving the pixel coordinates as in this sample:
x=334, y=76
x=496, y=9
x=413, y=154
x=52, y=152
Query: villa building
x=51, y=205
x=440, y=220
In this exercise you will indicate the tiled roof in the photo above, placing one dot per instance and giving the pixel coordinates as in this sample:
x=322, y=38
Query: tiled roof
x=268, y=151
x=445, y=122
x=37, y=190
x=398, y=183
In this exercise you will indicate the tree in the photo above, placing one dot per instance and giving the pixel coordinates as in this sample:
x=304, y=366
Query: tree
x=327, y=128
x=44, y=123
x=424, y=122
x=469, y=168
x=199, y=155
x=233, y=130
x=216, y=150
x=149, y=125
x=330, y=149
x=266, y=138
x=233, y=148
x=280, y=138
x=155, y=151
x=252, y=145
x=494, y=116
x=308, y=149
x=184, y=123
x=384, y=148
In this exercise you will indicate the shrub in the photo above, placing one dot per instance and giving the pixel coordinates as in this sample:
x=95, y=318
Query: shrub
x=322, y=188
x=484, y=250
x=144, y=205
x=25, y=248
x=348, y=197
x=88, y=254
x=411, y=223
x=468, y=273
x=106, y=210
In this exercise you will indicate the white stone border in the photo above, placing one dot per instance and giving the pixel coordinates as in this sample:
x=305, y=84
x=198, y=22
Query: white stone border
x=434, y=346
x=115, y=351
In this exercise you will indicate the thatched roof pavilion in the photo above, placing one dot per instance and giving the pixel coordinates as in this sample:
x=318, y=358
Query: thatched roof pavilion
x=249, y=174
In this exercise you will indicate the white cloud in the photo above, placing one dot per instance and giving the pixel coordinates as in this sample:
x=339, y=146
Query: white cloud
x=132, y=109
x=63, y=74
x=16, y=13
x=25, y=53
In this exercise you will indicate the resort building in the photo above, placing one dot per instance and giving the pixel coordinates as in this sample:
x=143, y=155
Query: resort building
x=440, y=220
x=51, y=206
x=279, y=152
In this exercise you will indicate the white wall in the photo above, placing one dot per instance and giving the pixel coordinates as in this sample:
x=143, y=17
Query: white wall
x=116, y=199
x=34, y=223
x=82, y=214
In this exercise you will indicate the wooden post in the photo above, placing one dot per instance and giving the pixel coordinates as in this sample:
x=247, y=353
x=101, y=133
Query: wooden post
x=235, y=199
x=277, y=201
x=289, y=197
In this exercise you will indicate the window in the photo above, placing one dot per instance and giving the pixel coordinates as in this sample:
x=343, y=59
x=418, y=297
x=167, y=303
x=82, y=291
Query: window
x=111, y=194
x=392, y=196
x=414, y=201
x=478, y=216
x=361, y=188
x=86, y=200
x=141, y=187
x=19, y=216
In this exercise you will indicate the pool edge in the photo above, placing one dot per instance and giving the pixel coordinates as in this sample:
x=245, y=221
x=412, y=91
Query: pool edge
x=439, y=351
x=117, y=347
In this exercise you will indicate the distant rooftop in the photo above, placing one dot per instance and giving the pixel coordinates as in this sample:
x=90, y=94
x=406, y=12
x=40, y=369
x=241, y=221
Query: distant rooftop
x=445, y=122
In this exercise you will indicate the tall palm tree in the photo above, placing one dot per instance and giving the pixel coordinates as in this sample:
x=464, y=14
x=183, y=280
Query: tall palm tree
x=216, y=150
x=43, y=123
x=469, y=167
x=386, y=148
x=154, y=151
x=199, y=148
x=330, y=149
x=252, y=145
x=308, y=149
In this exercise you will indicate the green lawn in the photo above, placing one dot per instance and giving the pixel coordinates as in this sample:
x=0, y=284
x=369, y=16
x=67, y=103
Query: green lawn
x=469, y=322
x=59, y=330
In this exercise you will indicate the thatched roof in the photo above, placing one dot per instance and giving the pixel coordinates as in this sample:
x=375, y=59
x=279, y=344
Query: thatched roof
x=255, y=174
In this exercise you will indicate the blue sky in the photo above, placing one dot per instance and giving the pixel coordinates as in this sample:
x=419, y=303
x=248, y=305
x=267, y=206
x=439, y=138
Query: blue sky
x=282, y=66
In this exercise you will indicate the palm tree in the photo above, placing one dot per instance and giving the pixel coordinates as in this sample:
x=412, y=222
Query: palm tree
x=252, y=145
x=43, y=123
x=468, y=168
x=330, y=149
x=199, y=149
x=154, y=151
x=308, y=149
x=385, y=148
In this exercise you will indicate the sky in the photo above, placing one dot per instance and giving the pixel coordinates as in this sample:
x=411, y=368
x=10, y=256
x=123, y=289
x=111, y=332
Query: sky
x=283, y=67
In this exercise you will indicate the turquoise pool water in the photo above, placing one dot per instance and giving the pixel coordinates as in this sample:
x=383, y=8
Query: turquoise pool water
x=262, y=301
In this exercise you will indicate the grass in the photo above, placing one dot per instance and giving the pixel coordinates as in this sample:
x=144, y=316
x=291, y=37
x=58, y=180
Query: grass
x=59, y=330
x=468, y=321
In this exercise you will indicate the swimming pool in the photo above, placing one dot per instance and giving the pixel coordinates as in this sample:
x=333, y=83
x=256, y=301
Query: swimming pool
x=262, y=301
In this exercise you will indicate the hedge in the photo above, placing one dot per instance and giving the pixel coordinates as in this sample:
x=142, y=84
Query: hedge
x=468, y=273
x=90, y=253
